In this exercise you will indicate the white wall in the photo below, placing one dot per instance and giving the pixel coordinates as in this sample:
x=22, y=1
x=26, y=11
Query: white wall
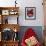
x=27, y=3
x=39, y=12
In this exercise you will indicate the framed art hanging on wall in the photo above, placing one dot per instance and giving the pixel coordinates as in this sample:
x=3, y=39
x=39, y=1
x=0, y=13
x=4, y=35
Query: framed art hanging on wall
x=30, y=13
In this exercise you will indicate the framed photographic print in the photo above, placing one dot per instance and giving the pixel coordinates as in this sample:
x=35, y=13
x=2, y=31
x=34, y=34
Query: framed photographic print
x=13, y=12
x=30, y=13
x=5, y=12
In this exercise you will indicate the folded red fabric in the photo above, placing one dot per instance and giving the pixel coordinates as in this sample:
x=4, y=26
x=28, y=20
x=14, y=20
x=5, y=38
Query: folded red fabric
x=29, y=33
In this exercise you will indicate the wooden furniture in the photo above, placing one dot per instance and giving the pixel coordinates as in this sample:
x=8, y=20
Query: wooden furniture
x=5, y=13
x=10, y=43
x=11, y=26
x=0, y=43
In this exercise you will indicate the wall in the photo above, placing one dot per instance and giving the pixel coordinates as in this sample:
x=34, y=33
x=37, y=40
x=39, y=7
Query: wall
x=39, y=13
x=24, y=3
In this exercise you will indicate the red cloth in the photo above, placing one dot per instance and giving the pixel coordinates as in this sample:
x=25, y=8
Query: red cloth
x=29, y=33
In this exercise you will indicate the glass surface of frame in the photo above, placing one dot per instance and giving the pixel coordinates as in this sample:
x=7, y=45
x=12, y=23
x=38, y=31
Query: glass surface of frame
x=30, y=13
x=5, y=12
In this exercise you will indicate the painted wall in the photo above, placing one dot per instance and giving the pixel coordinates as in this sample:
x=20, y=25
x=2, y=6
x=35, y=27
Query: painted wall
x=24, y=3
x=39, y=13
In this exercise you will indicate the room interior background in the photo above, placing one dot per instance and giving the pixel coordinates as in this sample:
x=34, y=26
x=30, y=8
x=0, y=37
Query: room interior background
x=22, y=4
x=36, y=24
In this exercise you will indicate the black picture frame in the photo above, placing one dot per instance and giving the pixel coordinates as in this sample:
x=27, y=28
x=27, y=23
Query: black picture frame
x=30, y=13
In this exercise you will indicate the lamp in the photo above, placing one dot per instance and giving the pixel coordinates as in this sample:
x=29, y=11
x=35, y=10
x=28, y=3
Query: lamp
x=15, y=34
x=15, y=3
x=15, y=30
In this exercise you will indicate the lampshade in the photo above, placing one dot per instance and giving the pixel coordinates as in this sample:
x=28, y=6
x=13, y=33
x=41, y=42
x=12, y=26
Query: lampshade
x=15, y=30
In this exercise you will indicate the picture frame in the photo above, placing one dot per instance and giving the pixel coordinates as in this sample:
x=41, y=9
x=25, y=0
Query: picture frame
x=5, y=12
x=13, y=12
x=30, y=13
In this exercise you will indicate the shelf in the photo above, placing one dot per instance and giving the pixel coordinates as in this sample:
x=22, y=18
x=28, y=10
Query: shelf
x=9, y=10
x=10, y=26
x=11, y=41
x=6, y=12
x=7, y=16
x=4, y=8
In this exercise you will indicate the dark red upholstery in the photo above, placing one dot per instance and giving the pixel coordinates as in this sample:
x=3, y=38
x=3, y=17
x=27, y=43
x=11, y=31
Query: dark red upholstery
x=29, y=33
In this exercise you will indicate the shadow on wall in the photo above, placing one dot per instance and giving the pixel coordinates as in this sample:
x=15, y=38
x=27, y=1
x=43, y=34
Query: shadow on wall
x=37, y=29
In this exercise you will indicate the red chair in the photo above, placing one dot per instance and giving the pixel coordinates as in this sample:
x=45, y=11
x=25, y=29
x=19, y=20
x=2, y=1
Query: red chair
x=29, y=33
